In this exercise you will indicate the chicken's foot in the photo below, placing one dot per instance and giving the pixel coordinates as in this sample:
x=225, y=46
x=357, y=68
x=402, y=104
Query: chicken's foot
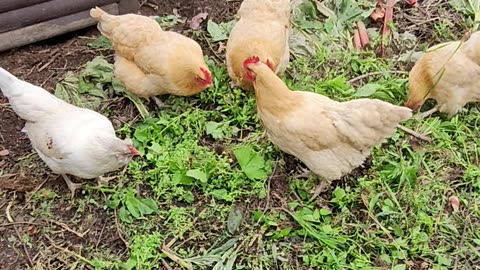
x=320, y=188
x=72, y=186
x=104, y=180
x=429, y=112
x=305, y=174
x=415, y=134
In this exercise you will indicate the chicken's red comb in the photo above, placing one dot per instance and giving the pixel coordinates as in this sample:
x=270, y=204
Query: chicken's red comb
x=208, y=75
x=251, y=60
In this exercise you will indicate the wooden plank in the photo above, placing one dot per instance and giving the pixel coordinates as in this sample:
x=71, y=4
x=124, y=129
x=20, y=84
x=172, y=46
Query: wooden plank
x=8, y=5
x=30, y=15
x=51, y=28
x=128, y=6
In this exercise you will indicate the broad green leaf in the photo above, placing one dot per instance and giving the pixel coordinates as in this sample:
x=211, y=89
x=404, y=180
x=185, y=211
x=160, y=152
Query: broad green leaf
x=215, y=31
x=198, y=174
x=132, y=205
x=251, y=162
x=221, y=194
x=147, y=206
x=325, y=212
x=156, y=147
x=124, y=215
x=141, y=135
x=101, y=42
x=399, y=267
x=182, y=179
x=113, y=203
x=281, y=234
x=214, y=129
x=367, y=90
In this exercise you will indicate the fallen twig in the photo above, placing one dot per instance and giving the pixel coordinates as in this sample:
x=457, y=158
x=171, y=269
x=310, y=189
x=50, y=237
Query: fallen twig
x=25, y=250
x=385, y=230
x=63, y=225
x=7, y=212
x=69, y=252
x=166, y=265
x=33, y=193
x=376, y=73
x=20, y=222
x=119, y=231
x=415, y=134
x=174, y=257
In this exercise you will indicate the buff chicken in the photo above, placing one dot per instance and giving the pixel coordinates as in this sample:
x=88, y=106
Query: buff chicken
x=262, y=29
x=332, y=138
x=150, y=61
x=448, y=73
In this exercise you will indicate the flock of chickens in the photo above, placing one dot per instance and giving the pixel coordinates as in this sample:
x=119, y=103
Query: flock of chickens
x=331, y=138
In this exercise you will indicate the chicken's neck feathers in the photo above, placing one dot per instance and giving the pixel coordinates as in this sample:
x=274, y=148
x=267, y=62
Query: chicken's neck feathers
x=273, y=95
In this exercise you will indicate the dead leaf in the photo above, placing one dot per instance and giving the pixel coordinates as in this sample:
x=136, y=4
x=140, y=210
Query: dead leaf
x=4, y=152
x=455, y=203
x=378, y=13
x=356, y=40
x=197, y=20
x=362, y=31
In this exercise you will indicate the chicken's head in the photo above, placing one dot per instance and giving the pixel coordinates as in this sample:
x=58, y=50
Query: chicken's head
x=417, y=94
x=124, y=150
x=413, y=105
x=254, y=60
x=203, y=77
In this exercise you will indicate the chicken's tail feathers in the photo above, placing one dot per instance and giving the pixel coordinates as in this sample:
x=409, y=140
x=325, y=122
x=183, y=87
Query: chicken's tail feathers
x=6, y=82
x=97, y=13
x=104, y=20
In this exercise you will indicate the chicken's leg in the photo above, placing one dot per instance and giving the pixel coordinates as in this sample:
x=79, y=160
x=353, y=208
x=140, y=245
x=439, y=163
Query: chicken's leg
x=159, y=102
x=320, y=188
x=429, y=112
x=72, y=186
x=305, y=174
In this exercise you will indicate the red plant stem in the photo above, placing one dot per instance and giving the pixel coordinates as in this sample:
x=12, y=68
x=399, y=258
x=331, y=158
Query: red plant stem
x=386, y=28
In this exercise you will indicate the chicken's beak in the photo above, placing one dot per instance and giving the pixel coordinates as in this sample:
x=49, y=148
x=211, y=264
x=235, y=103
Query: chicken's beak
x=134, y=151
x=413, y=106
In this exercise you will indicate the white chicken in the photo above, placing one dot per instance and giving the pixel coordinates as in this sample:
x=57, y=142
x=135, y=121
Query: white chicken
x=71, y=140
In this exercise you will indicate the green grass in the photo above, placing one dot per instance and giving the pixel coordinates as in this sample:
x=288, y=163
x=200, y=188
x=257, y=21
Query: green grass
x=210, y=192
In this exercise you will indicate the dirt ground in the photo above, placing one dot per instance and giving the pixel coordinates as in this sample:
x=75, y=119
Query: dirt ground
x=44, y=64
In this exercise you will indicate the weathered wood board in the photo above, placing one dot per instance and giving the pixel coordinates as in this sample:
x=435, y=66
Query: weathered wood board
x=59, y=17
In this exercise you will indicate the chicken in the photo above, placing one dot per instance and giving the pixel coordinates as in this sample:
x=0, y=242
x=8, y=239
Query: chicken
x=262, y=30
x=332, y=138
x=448, y=73
x=150, y=61
x=69, y=139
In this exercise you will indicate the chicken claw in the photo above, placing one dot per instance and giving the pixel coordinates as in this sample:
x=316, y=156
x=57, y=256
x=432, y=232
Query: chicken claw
x=429, y=112
x=320, y=188
x=72, y=186
x=104, y=180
